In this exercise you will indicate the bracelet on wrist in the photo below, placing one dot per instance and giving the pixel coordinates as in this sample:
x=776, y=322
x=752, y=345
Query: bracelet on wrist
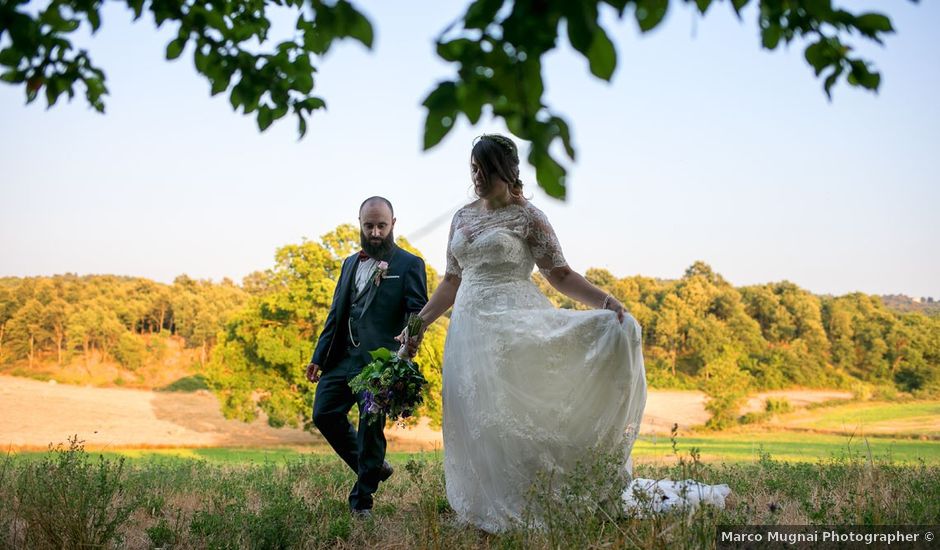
x=606, y=301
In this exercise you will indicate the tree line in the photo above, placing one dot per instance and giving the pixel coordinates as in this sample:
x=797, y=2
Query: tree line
x=68, y=316
x=700, y=332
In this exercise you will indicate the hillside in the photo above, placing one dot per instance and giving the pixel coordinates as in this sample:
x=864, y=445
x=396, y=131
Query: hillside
x=901, y=303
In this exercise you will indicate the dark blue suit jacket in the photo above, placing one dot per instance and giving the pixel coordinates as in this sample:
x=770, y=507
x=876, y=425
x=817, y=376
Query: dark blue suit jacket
x=404, y=290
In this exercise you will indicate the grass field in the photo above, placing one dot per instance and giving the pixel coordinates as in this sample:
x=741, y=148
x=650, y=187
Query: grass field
x=230, y=498
x=719, y=447
x=914, y=419
x=789, y=447
x=296, y=497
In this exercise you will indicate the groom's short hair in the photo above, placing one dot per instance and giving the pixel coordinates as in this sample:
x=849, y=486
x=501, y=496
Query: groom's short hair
x=377, y=199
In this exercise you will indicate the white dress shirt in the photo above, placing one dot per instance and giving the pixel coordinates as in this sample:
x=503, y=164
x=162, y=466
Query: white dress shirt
x=363, y=271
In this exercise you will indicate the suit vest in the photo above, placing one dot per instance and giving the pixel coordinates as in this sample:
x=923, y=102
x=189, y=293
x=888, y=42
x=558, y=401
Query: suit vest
x=356, y=302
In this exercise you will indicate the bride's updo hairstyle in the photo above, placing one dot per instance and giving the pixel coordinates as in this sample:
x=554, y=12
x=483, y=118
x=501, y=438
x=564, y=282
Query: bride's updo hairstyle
x=496, y=155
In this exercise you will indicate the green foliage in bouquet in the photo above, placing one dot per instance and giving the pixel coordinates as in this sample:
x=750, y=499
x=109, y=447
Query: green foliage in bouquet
x=391, y=385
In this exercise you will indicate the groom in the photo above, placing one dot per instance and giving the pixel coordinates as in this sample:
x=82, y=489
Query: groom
x=378, y=287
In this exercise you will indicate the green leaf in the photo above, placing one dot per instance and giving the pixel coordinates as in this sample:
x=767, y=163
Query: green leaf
x=874, y=22
x=360, y=28
x=437, y=125
x=582, y=24
x=94, y=19
x=861, y=76
x=602, y=55
x=265, y=117
x=650, y=13
x=770, y=36
x=10, y=57
x=455, y=49
x=481, y=13
x=220, y=84
x=471, y=101
x=52, y=91
x=31, y=94
x=381, y=353
x=564, y=132
x=301, y=125
x=175, y=48
x=200, y=60
x=822, y=54
x=703, y=5
x=311, y=104
x=550, y=174
x=303, y=81
x=13, y=77
x=818, y=8
x=830, y=81
x=137, y=6
x=870, y=24
x=442, y=105
x=444, y=97
x=235, y=98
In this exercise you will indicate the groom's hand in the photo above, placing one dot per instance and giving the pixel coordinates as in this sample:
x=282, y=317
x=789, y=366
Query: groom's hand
x=313, y=372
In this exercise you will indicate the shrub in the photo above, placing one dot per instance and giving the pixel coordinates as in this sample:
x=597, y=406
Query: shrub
x=187, y=384
x=68, y=500
x=129, y=351
x=777, y=406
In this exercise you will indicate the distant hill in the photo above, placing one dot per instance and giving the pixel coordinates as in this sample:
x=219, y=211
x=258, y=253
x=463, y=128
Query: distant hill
x=905, y=304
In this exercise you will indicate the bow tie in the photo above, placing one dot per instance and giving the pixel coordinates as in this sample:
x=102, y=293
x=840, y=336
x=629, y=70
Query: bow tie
x=363, y=256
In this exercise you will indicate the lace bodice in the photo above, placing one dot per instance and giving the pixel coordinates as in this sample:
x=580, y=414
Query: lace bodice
x=501, y=245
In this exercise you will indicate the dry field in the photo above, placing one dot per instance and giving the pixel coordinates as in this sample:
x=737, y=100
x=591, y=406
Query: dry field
x=34, y=414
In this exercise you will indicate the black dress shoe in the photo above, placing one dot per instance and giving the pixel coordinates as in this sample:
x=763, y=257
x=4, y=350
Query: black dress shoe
x=386, y=471
x=361, y=514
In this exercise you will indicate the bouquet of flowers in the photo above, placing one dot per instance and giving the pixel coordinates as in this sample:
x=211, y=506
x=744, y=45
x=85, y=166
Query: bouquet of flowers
x=391, y=384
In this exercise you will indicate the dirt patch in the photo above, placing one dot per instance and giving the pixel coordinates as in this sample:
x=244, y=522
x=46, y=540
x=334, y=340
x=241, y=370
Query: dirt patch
x=798, y=398
x=34, y=414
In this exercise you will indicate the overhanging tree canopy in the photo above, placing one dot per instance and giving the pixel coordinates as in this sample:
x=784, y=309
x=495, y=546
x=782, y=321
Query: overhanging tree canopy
x=496, y=46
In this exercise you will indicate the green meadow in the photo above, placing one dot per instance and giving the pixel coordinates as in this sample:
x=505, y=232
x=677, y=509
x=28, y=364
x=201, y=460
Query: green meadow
x=915, y=419
x=290, y=498
x=295, y=497
x=789, y=447
x=711, y=448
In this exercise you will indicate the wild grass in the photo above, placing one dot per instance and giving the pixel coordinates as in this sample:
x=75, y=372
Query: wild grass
x=70, y=497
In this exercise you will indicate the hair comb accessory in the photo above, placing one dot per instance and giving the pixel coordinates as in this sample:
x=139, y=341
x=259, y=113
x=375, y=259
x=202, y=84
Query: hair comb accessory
x=505, y=143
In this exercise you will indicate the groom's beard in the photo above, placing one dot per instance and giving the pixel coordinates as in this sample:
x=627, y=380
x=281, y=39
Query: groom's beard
x=378, y=249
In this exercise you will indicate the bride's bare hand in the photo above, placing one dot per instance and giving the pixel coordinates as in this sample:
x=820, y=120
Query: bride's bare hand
x=414, y=342
x=614, y=305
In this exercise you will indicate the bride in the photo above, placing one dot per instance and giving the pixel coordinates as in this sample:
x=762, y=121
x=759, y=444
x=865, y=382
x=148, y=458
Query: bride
x=528, y=388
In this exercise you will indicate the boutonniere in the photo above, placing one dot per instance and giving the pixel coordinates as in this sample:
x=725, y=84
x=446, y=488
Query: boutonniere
x=380, y=270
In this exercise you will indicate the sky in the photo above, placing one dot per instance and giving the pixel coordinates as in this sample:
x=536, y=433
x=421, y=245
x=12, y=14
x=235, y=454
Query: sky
x=703, y=147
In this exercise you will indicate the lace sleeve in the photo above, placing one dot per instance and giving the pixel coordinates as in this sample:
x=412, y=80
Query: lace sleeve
x=453, y=267
x=542, y=242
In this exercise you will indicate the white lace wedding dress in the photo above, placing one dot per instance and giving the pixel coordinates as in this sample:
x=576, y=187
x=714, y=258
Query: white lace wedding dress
x=528, y=387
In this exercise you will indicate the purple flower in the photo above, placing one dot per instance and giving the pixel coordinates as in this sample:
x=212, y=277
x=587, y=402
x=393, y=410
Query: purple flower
x=369, y=401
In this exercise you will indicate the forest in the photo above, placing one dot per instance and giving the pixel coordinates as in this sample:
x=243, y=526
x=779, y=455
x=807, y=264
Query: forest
x=250, y=341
